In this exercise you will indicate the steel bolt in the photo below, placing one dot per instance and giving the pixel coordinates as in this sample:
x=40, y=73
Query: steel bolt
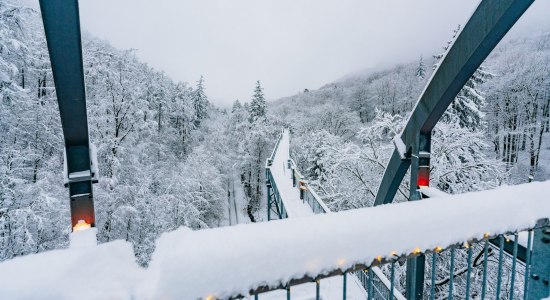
x=535, y=276
x=545, y=240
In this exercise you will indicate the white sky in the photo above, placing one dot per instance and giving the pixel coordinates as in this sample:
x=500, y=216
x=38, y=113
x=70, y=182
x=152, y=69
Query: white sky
x=287, y=44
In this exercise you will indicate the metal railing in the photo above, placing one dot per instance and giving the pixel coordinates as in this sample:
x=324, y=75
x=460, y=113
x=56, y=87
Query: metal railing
x=472, y=269
x=272, y=156
x=274, y=198
x=379, y=288
x=467, y=270
x=308, y=194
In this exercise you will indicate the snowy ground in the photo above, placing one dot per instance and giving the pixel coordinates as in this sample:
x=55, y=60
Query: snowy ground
x=236, y=203
x=222, y=261
x=521, y=169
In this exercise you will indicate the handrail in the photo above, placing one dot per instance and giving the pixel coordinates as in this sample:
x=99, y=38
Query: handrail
x=463, y=223
x=318, y=206
x=272, y=156
x=362, y=270
x=316, y=203
x=460, y=228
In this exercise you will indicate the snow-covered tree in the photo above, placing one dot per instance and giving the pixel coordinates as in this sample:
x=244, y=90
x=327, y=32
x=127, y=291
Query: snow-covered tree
x=421, y=69
x=200, y=102
x=257, y=106
x=236, y=106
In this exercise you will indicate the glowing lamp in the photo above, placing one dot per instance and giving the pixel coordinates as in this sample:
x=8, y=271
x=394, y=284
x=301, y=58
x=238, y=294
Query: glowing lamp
x=81, y=225
x=423, y=176
x=423, y=169
x=341, y=262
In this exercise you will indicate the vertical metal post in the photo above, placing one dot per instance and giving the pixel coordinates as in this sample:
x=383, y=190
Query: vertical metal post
x=514, y=259
x=345, y=286
x=392, y=280
x=288, y=292
x=469, y=272
x=539, y=286
x=527, y=264
x=484, y=280
x=420, y=176
x=434, y=272
x=317, y=289
x=370, y=292
x=268, y=184
x=500, y=263
x=451, y=273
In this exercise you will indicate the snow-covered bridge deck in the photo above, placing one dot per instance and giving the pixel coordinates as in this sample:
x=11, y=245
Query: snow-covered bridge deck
x=235, y=260
x=282, y=175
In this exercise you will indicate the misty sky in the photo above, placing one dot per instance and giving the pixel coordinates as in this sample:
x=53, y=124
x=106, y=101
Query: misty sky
x=287, y=44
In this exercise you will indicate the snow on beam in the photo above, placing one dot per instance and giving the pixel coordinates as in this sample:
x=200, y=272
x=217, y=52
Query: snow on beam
x=229, y=261
x=486, y=27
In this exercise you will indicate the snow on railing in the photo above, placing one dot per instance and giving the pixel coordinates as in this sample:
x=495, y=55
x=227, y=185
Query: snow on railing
x=270, y=159
x=380, y=284
x=309, y=195
x=258, y=257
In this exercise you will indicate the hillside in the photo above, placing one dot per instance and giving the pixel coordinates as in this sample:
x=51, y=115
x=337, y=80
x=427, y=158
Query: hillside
x=169, y=158
x=496, y=131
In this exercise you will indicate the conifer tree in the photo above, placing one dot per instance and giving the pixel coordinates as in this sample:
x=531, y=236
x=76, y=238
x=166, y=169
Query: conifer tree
x=421, y=69
x=200, y=102
x=236, y=106
x=257, y=107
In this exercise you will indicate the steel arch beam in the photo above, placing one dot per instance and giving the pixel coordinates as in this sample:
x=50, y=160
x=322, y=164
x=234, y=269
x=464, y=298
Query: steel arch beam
x=62, y=27
x=487, y=26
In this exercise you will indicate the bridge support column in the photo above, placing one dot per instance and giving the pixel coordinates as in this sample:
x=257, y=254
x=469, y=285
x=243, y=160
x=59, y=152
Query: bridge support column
x=539, y=279
x=420, y=176
x=62, y=28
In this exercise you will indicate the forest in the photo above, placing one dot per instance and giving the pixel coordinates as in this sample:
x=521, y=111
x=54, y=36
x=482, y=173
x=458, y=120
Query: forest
x=167, y=155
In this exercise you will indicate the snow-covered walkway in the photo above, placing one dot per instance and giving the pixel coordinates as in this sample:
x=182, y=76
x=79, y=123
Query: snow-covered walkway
x=282, y=175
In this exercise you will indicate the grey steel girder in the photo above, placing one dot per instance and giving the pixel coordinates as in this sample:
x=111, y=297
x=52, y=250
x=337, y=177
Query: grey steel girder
x=62, y=28
x=487, y=26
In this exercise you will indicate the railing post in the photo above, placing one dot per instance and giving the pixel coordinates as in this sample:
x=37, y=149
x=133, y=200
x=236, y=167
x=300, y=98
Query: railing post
x=269, y=188
x=539, y=286
x=420, y=176
x=345, y=286
x=268, y=201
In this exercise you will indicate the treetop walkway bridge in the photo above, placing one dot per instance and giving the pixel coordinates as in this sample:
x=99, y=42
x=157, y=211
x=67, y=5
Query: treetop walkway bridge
x=483, y=245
